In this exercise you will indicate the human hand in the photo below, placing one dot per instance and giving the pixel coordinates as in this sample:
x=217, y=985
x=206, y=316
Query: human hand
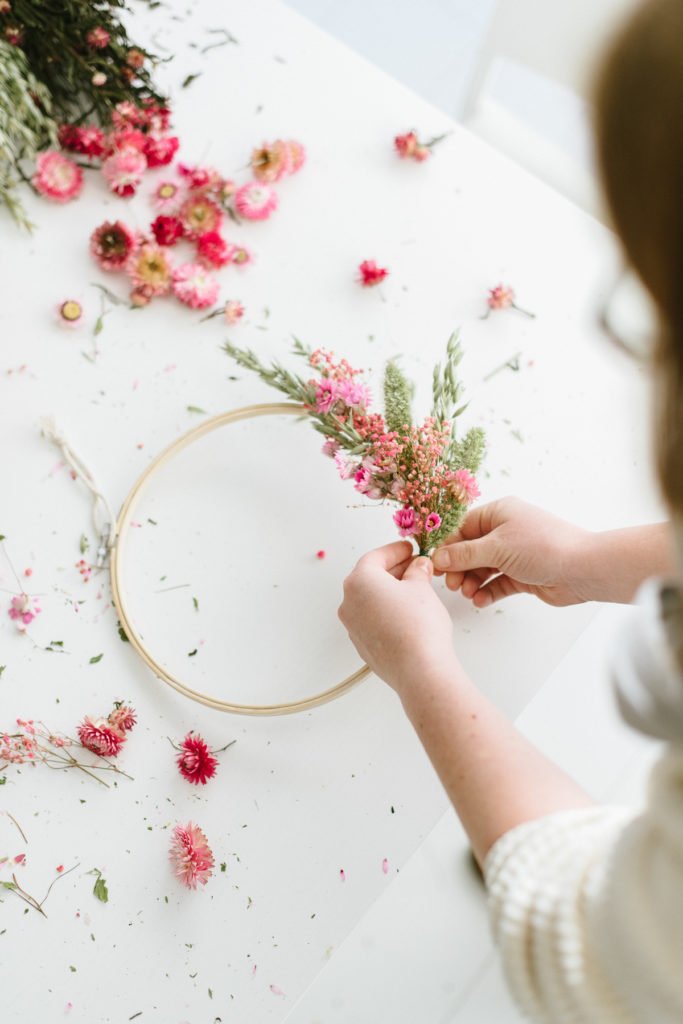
x=394, y=617
x=510, y=547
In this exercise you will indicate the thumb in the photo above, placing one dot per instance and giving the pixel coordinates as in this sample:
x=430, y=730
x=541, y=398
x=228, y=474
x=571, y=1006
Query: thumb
x=420, y=568
x=465, y=555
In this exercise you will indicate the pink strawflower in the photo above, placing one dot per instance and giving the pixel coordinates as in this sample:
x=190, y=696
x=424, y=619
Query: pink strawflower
x=127, y=115
x=195, y=761
x=432, y=522
x=70, y=313
x=166, y=196
x=406, y=521
x=326, y=394
x=297, y=155
x=88, y=140
x=125, y=138
x=98, y=38
x=406, y=145
x=123, y=171
x=23, y=610
x=156, y=119
x=464, y=487
x=256, y=201
x=356, y=396
x=194, y=286
x=135, y=58
x=149, y=268
x=200, y=215
x=111, y=244
x=141, y=296
x=240, y=256
x=330, y=447
x=200, y=179
x=213, y=249
x=363, y=479
x=191, y=855
x=123, y=717
x=99, y=736
x=160, y=151
x=167, y=229
x=271, y=161
x=345, y=465
x=233, y=312
x=57, y=177
x=500, y=297
x=370, y=274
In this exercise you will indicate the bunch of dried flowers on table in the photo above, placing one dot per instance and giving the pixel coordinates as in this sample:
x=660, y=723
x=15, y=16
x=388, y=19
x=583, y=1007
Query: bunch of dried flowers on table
x=422, y=467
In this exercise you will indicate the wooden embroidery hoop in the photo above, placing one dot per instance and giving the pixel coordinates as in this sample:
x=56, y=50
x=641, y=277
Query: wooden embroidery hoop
x=116, y=557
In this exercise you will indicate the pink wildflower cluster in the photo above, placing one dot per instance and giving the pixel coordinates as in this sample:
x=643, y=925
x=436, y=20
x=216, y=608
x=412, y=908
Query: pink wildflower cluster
x=30, y=743
x=503, y=297
x=106, y=736
x=191, y=857
x=337, y=392
x=23, y=609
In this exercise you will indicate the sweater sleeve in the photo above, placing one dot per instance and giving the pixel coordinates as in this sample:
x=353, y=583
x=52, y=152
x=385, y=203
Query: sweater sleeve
x=587, y=909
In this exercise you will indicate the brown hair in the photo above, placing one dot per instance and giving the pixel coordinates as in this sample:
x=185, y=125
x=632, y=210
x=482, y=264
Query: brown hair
x=639, y=138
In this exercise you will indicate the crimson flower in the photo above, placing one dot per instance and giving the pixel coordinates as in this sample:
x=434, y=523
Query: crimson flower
x=371, y=274
x=167, y=230
x=99, y=736
x=196, y=763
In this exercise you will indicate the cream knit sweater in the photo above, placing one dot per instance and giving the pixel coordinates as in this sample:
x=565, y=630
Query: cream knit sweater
x=587, y=905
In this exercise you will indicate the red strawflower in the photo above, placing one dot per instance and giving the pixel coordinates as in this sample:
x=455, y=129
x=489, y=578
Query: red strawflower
x=371, y=274
x=160, y=151
x=213, y=249
x=167, y=230
x=112, y=244
x=87, y=140
x=99, y=736
x=123, y=717
x=195, y=761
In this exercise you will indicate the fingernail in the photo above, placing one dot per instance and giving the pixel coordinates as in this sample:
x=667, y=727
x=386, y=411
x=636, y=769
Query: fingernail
x=442, y=558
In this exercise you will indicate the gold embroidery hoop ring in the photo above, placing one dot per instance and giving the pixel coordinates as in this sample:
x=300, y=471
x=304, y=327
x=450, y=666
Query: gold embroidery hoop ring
x=122, y=527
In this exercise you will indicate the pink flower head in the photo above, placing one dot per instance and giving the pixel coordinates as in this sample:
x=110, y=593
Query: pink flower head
x=326, y=394
x=194, y=286
x=98, y=79
x=160, y=151
x=255, y=201
x=70, y=313
x=123, y=171
x=166, y=195
x=195, y=761
x=125, y=138
x=464, y=487
x=271, y=161
x=123, y=717
x=88, y=140
x=213, y=250
x=356, y=396
x=330, y=447
x=240, y=256
x=297, y=155
x=406, y=145
x=199, y=215
x=364, y=482
x=191, y=855
x=149, y=268
x=135, y=58
x=23, y=610
x=200, y=178
x=501, y=297
x=406, y=521
x=57, y=177
x=432, y=522
x=112, y=244
x=99, y=736
x=233, y=312
x=126, y=115
x=346, y=466
x=98, y=38
x=167, y=229
x=370, y=274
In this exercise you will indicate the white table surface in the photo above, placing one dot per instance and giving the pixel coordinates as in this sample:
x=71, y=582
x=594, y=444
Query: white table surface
x=298, y=798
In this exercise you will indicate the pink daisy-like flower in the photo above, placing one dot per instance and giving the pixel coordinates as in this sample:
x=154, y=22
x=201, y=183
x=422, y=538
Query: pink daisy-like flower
x=166, y=196
x=233, y=312
x=432, y=522
x=57, y=177
x=124, y=138
x=135, y=58
x=500, y=297
x=464, y=487
x=200, y=215
x=406, y=145
x=271, y=161
x=240, y=256
x=363, y=479
x=126, y=114
x=356, y=396
x=111, y=244
x=191, y=855
x=88, y=140
x=123, y=717
x=99, y=736
x=194, y=286
x=326, y=394
x=160, y=151
x=149, y=268
x=213, y=249
x=255, y=201
x=123, y=171
x=345, y=466
x=195, y=761
x=70, y=313
x=23, y=610
x=370, y=274
x=141, y=296
x=167, y=229
x=200, y=179
x=330, y=447
x=406, y=521
x=98, y=38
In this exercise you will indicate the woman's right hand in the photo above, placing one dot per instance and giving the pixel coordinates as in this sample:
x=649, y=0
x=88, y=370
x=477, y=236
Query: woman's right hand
x=510, y=547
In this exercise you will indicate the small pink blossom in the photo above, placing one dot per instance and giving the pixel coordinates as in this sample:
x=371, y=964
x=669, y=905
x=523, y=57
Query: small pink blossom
x=325, y=395
x=70, y=313
x=356, y=396
x=500, y=297
x=195, y=286
x=233, y=312
x=370, y=274
x=213, y=249
x=149, y=268
x=406, y=521
x=330, y=447
x=240, y=256
x=297, y=155
x=346, y=466
x=191, y=856
x=432, y=522
x=200, y=215
x=166, y=196
x=195, y=761
x=99, y=736
x=23, y=610
x=123, y=717
x=57, y=177
x=464, y=487
x=123, y=171
x=363, y=479
x=98, y=38
x=256, y=201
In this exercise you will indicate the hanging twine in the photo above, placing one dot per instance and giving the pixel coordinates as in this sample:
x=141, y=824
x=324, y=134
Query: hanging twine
x=103, y=517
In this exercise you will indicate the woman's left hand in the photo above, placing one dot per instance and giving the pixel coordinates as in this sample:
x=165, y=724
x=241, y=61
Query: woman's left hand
x=395, y=619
